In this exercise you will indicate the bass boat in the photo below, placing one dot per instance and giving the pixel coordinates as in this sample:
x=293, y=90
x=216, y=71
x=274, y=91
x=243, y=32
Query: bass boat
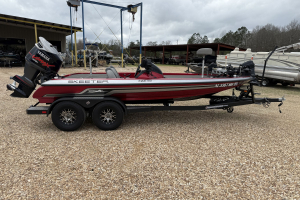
x=105, y=96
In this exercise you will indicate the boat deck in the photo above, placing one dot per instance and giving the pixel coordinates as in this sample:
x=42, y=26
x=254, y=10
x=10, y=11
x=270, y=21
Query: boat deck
x=105, y=76
x=88, y=76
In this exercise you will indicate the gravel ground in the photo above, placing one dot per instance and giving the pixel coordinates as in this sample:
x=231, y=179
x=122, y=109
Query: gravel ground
x=252, y=153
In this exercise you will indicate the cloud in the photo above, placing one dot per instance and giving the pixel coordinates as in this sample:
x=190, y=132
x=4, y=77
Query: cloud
x=162, y=20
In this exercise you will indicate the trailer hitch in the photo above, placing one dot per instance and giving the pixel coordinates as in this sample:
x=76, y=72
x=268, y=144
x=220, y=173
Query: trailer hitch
x=267, y=101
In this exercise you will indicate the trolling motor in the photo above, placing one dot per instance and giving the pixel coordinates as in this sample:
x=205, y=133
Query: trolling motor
x=42, y=63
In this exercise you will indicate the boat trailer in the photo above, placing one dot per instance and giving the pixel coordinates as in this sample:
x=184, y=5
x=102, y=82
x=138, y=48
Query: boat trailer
x=246, y=97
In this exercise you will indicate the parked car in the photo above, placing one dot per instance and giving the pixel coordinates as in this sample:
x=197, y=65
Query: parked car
x=157, y=60
x=117, y=60
x=10, y=60
x=208, y=59
x=103, y=55
x=178, y=59
x=132, y=60
x=89, y=53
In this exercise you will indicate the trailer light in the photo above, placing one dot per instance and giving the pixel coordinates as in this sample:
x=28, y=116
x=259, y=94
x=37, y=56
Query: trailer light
x=245, y=90
x=44, y=112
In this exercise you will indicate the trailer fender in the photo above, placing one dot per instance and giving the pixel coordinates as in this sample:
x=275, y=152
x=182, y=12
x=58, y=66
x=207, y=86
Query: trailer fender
x=87, y=102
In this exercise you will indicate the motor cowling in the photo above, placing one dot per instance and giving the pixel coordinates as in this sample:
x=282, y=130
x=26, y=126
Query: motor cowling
x=42, y=63
x=230, y=71
x=248, y=69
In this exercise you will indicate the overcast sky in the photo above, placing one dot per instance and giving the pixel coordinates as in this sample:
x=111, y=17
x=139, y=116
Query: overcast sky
x=163, y=20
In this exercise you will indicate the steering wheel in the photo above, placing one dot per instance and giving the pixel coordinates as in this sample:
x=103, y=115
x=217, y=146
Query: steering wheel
x=138, y=70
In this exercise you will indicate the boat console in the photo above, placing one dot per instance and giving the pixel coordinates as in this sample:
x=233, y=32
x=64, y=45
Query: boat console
x=151, y=71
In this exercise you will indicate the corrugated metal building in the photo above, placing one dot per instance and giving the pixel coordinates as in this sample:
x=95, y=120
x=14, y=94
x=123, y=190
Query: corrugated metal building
x=18, y=34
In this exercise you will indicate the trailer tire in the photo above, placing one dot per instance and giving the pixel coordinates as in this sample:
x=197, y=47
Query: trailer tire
x=108, y=115
x=68, y=116
x=265, y=82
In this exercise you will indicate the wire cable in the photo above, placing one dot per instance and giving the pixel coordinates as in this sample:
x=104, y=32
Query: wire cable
x=114, y=34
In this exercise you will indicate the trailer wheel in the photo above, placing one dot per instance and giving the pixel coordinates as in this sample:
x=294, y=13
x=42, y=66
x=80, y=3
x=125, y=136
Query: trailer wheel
x=68, y=116
x=108, y=115
x=230, y=109
x=265, y=82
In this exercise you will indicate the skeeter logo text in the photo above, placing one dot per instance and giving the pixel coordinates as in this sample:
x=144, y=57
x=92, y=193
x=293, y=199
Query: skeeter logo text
x=87, y=81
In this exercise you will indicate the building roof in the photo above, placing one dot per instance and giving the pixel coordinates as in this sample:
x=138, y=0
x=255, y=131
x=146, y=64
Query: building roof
x=192, y=47
x=22, y=21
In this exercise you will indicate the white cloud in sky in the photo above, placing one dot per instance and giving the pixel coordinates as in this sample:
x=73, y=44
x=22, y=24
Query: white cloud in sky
x=162, y=19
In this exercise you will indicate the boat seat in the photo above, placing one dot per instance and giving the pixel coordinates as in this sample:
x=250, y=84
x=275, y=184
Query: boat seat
x=111, y=72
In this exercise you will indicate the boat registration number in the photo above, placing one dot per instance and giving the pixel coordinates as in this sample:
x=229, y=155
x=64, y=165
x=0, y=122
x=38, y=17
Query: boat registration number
x=227, y=84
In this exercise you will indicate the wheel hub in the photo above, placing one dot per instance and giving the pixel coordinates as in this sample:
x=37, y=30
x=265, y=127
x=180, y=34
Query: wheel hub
x=68, y=116
x=108, y=116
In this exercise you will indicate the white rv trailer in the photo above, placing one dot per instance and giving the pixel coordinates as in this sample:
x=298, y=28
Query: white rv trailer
x=281, y=67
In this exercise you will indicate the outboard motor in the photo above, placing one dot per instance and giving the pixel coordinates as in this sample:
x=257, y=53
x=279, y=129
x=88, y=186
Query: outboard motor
x=42, y=64
x=248, y=69
x=230, y=70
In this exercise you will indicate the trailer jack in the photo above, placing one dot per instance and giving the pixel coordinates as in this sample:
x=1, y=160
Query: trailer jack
x=279, y=106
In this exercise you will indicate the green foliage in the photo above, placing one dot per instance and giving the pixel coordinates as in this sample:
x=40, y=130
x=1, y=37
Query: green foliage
x=239, y=38
x=262, y=38
x=205, y=39
x=217, y=40
x=152, y=43
x=197, y=39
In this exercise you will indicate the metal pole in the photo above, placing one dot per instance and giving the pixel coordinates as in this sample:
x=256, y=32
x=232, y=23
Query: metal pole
x=90, y=64
x=187, y=54
x=71, y=36
x=96, y=65
x=141, y=33
x=163, y=57
x=203, y=66
x=121, y=36
x=35, y=30
x=75, y=49
x=84, y=58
